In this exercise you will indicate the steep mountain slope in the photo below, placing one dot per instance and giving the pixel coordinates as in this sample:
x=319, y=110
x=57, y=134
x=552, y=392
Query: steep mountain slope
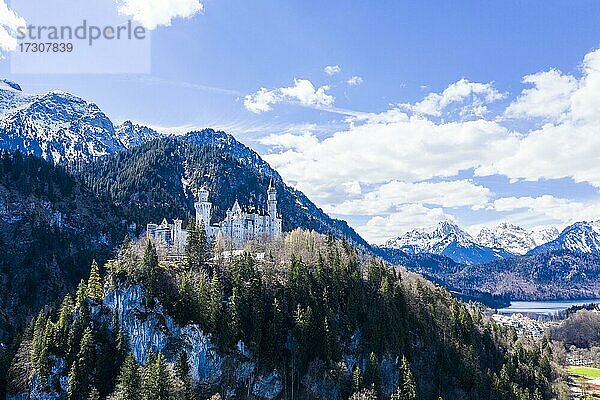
x=51, y=226
x=544, y=234
x=580, y=237
x=11, y=96
x=515, y=239
x=159, y=178
x=57, y=126
x=449, y=240
x=61, y=127
x=131, y=135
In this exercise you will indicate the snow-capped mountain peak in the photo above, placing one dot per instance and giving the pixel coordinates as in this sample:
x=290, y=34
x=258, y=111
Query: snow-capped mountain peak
x=515, y=239
x=509, y=237
x=62, y=127
x=581, y=237
x=57, y=126
x=544, y=234
x=447, y=228
x=131, y=134
x=446, y=239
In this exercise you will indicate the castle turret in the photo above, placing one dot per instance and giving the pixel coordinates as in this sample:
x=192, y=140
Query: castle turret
x=203, y=208
x=272, y=199
x=274, y=220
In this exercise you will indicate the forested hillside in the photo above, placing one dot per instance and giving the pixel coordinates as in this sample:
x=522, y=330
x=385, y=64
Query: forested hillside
x=158, y=179
x=313, y=319
x=51, y=227
x=550, y=275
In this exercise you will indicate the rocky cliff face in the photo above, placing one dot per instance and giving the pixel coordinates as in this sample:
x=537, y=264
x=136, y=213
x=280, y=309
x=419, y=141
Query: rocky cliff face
x=152, y=329
x=234, y=373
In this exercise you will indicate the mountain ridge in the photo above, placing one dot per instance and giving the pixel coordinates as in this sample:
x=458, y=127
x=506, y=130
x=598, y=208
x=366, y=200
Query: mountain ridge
x=446, y=239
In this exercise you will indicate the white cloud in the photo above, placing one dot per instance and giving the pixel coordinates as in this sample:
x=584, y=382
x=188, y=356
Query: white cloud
x=389, y=196
x=154, y=13
x=549, y=207
x=379, y=164
x=380, y=229
x=480, y=93
x=567, y=148
x=355, y=80
x=303, y=92
x=552, y=152
x=291, y=141
x=550, y=96
x=332, y=69
x=9, y=22
x=391, y=146
x=261, y=101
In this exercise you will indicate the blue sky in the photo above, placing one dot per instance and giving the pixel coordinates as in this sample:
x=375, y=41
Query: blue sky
x=435, y=126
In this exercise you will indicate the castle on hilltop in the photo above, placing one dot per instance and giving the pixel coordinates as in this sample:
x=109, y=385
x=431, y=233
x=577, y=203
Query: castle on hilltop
x=240, y=224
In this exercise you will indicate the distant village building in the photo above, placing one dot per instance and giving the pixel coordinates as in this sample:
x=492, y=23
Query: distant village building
x=240, y=225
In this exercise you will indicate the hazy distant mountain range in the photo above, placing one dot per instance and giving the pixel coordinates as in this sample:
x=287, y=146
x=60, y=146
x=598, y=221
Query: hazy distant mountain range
x=448, y=239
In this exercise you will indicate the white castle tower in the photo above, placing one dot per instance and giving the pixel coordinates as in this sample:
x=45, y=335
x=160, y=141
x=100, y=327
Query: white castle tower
x=203, y=208
x=274, y=221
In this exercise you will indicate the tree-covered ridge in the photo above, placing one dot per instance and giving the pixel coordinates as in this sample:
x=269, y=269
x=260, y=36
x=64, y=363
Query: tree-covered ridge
x=51, y=226
x=158, y=179
x=330, y=322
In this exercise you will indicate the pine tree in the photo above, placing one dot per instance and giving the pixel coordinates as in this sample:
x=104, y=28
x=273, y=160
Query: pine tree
x=43, y=362
x=81, y=375
x=191, y=246
x=94, y=284
x=215, y=302
x=183, y=373
x=81, y=304
x=233, y=318
x=406, y=389
x=37, y=342
x=63, y=324
x=196, y=248
x=372, y=372
x=129, y=381
x=157, y=383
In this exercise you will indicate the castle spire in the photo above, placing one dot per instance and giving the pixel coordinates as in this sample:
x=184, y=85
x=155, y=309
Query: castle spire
x=271, y=186
x=236, y=206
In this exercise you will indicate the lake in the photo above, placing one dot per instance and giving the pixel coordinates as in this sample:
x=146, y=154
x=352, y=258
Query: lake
x=543, y=307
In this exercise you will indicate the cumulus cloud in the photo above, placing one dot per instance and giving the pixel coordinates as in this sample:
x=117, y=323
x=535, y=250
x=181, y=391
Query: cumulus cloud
x=479, y=93
x=382, y=163
x=332, y=69
x=564, y=210
x=154, y=13
x=261, y=101
x=355, y=80
x=392, y=146
x=392, y=195
x=567, y=148
x=303, y=92
x=9, y=22
x=550, y=96
x=380, y=229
